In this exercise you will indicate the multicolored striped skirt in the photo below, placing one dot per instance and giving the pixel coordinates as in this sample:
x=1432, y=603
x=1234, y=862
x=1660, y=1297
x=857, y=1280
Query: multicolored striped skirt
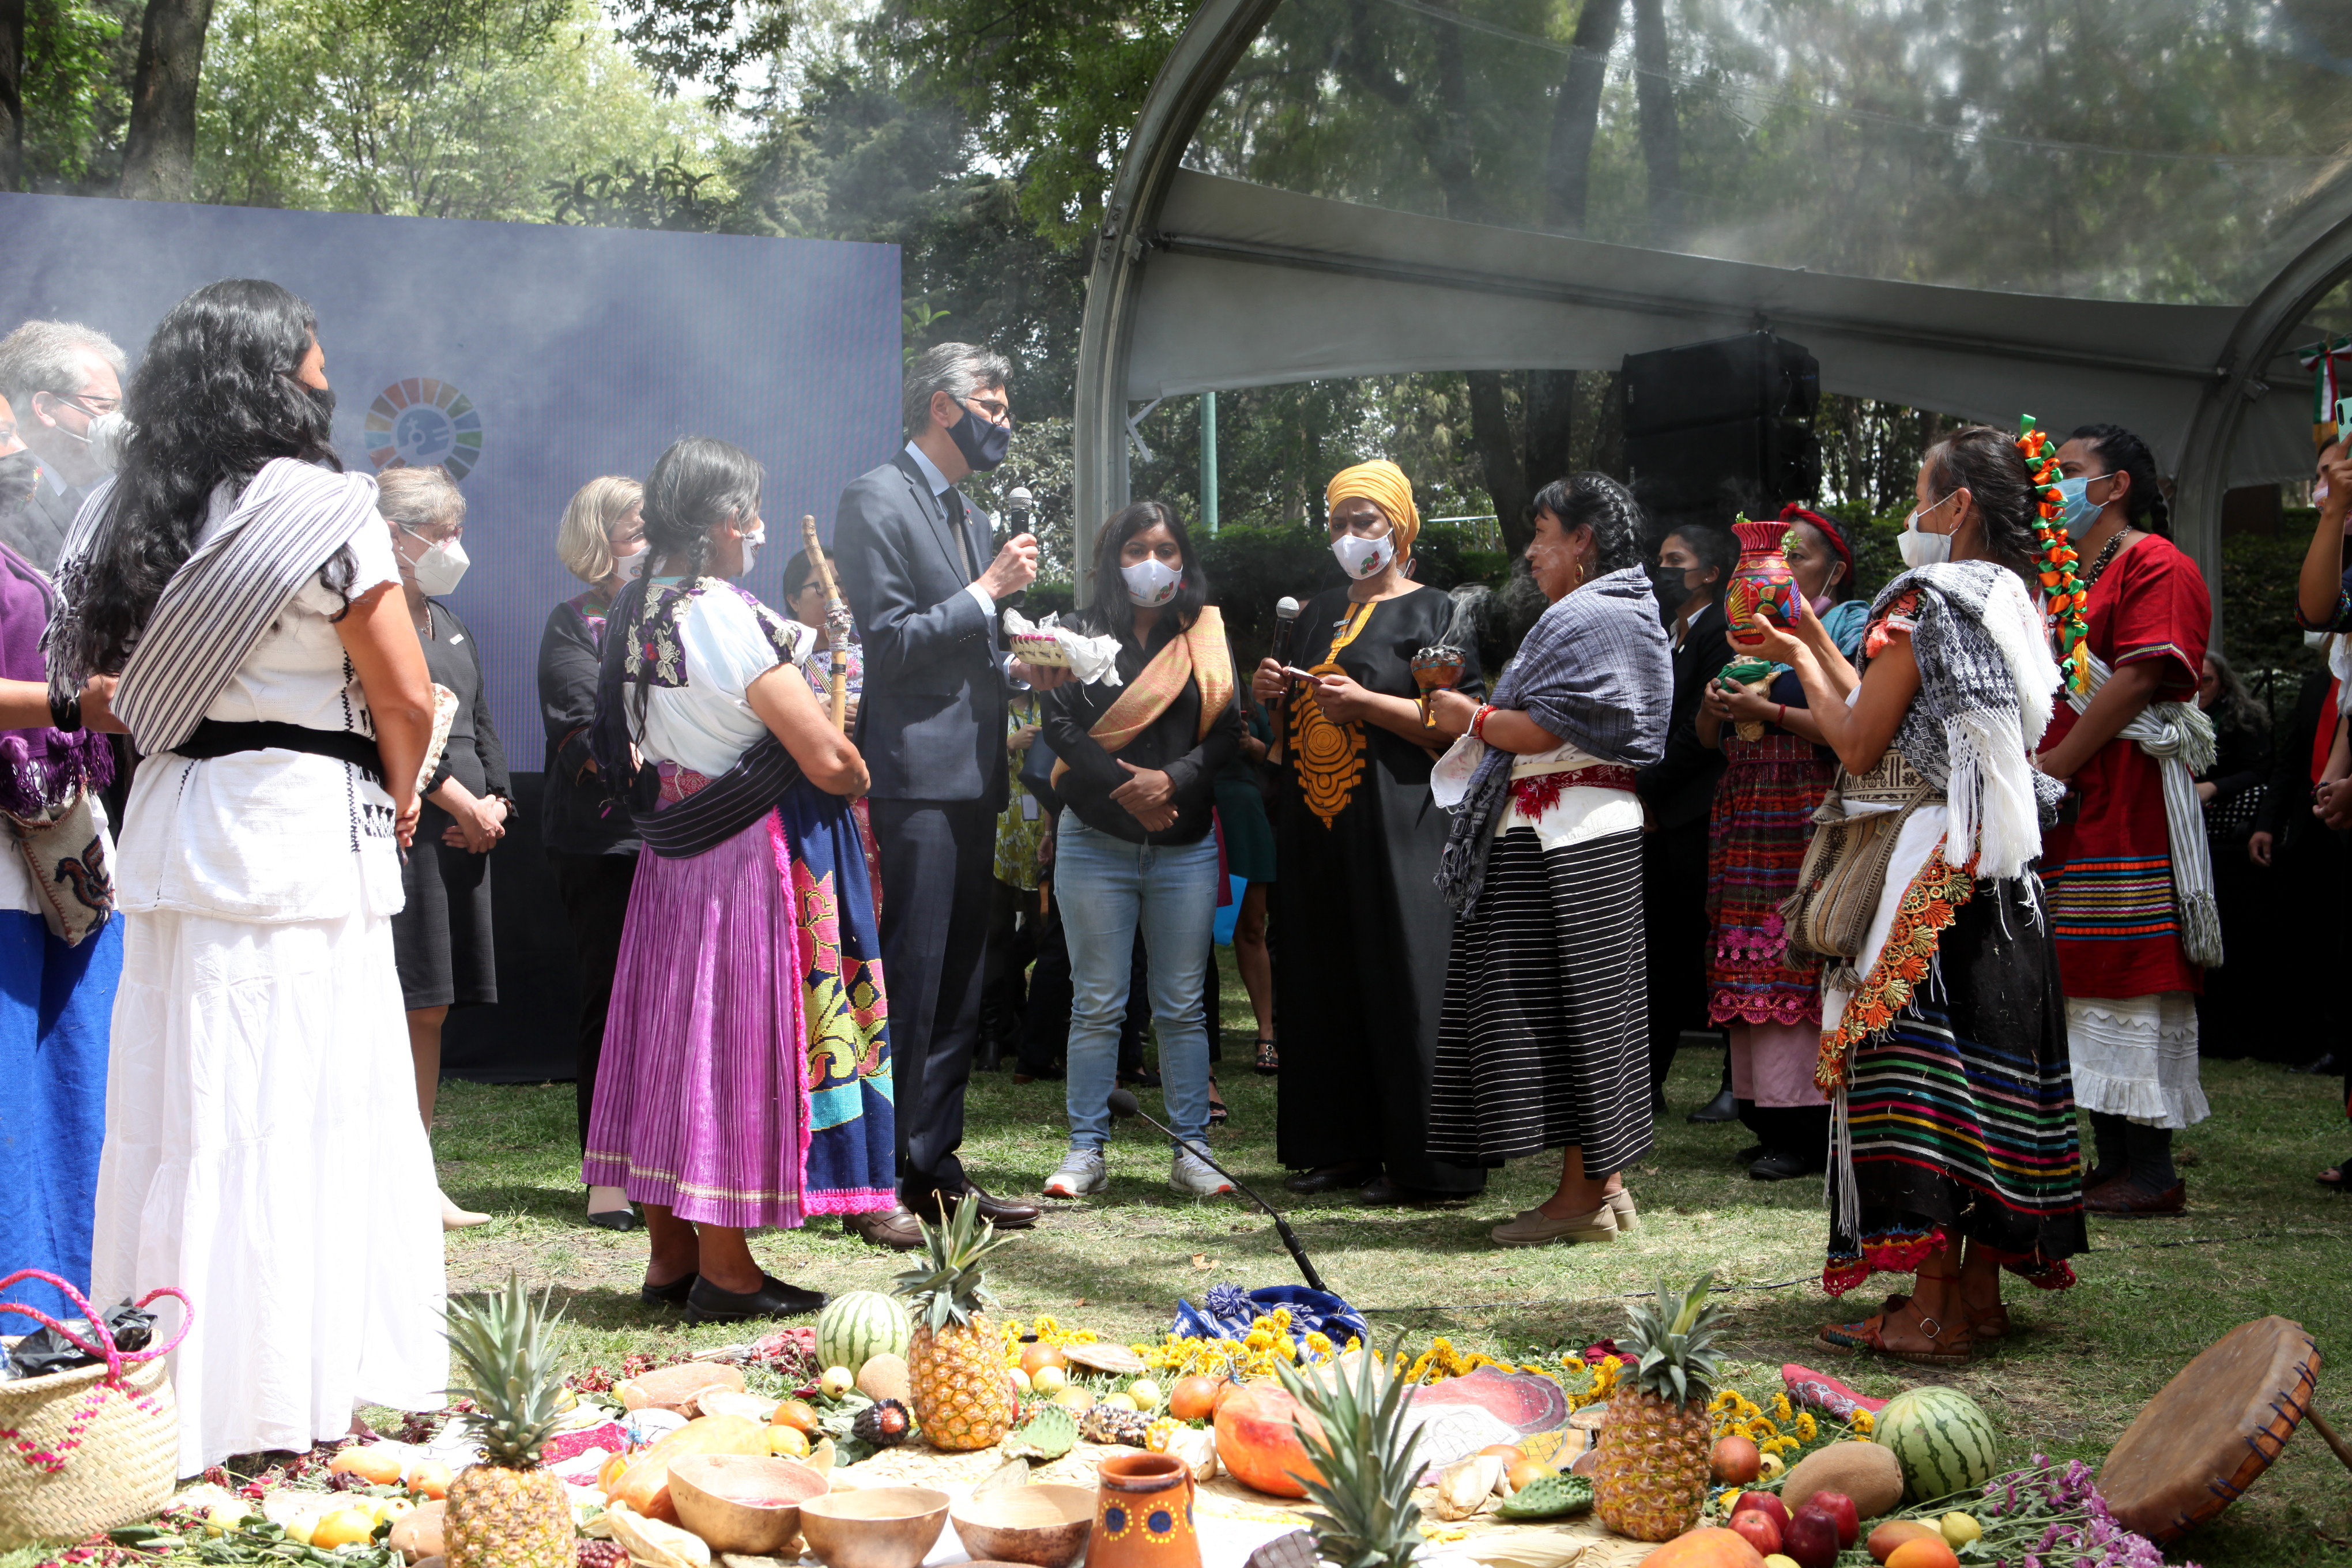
x=746, y=1074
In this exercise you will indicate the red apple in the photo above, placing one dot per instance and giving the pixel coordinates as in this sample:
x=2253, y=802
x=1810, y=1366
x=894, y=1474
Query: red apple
x=1810, y=1539
x=1756, y=1527
x=1735, y=1461
x=1839, y=1507
x=1768, y=1503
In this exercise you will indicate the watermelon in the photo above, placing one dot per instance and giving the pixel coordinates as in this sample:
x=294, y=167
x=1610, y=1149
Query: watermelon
x=1942, y=1438
x=857, y=1327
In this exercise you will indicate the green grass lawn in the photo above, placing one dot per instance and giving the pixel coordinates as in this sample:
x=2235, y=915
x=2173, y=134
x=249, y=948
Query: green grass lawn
x=2261, y=1238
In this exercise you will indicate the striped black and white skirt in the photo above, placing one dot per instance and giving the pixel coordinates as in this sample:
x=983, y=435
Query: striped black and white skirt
x=1544, y=1040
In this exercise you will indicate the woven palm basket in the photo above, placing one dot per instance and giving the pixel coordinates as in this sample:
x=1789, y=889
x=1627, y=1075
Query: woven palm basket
x=93, y=1447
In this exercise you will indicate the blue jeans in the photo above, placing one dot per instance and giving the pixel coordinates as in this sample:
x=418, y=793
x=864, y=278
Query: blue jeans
x=1108, y=887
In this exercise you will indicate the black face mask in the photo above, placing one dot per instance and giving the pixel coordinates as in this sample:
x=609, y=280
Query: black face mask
x=323, y=399
x=1667, y=582
x=19, y=473
x=982, y=442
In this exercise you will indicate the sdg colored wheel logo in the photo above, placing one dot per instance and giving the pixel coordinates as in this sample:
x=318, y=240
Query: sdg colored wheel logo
x=420, y=422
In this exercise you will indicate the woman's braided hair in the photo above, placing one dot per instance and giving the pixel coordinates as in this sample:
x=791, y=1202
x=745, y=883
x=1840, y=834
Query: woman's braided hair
x=697, y=484
x=1614, y=516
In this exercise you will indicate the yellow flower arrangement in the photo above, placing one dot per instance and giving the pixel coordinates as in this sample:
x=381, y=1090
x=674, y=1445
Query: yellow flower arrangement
x=1807, y=1427
x=1781, y=1408
x=1863, y=1423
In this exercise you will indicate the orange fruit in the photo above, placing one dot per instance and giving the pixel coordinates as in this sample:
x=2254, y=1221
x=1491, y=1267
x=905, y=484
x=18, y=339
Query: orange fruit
x=1193, y=1398
x=1509, y=1453
x=428, y=1479
x=788, y=1442
x=796, y=1414
x=1037, y=1355
x=1928, y=1552
x=376, y=1466
x=344, y=1527
x=1526, y=1472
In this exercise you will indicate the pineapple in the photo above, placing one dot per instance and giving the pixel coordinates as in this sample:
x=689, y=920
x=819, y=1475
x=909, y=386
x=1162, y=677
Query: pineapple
x=507, y=1513
x=1651, y=1474
x=1365, y=1451
x=955, y=1364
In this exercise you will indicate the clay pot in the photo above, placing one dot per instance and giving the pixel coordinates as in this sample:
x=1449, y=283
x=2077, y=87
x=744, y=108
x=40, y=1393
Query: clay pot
x=1761, y=585
x=1143, y=1514
x=1046, y=1525
x=738, y=1503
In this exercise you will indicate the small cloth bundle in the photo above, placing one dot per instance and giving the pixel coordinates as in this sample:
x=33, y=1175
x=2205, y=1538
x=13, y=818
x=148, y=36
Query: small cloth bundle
x=1048, y=642
x=1228, y=1310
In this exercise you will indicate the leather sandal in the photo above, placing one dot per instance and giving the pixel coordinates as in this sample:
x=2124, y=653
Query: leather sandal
x=1269, y=1061
x=1217, y=1111
x=1991, y=1323
x=1948, y=1345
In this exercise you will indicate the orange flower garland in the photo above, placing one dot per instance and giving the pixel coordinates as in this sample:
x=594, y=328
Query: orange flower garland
x=1929, y=904
x=2062, y=586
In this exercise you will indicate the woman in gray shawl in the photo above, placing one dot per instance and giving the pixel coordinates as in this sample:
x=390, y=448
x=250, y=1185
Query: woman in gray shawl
x=1944, y=1038
x=1544, y=1039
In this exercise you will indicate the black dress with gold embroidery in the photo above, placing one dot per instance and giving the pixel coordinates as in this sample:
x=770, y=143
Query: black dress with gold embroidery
x=1360, y=931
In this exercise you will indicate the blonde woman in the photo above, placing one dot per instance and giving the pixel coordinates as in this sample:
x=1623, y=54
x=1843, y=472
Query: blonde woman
x=602, y=542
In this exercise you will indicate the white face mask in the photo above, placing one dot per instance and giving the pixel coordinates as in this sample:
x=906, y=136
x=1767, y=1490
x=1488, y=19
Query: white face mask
x=633, y=566
x=752, y=542
x=1150, y=581
x=1924, y=549
x=440, y=569
x=1362, y=558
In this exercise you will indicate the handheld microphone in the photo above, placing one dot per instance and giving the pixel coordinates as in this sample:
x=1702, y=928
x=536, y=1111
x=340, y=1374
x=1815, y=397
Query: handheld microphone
x=1285, y=627
x=1012, y=523
x=1124, y=1103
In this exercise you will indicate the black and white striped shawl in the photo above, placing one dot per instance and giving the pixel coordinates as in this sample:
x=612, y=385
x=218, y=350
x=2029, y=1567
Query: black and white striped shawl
x=291, y=518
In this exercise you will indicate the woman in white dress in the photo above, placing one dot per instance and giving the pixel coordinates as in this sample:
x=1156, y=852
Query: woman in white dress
x=259, y=1153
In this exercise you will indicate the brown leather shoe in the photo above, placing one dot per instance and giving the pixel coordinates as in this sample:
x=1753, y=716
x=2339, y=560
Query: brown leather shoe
x=2125, y=1201
x=894, y=1228
x=1004, y=1213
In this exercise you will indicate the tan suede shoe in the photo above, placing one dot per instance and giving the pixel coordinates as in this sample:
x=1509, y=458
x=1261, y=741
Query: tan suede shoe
x=1533, y=1227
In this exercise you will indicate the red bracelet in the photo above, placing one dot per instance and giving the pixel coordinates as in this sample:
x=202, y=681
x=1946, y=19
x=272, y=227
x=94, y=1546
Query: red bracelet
x=1478, y=722
x=1784, y=715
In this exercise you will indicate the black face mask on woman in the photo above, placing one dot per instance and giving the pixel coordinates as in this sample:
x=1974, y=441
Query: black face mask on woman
x=1667, y=583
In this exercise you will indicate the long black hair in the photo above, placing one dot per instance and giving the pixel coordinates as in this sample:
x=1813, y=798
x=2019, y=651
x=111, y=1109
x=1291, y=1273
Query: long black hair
x=214, y=399
x=1986, y=464
x=697, y=484
x=1610, y=509
x=2125, y=453
x=1112, y=614
x=1718, y=549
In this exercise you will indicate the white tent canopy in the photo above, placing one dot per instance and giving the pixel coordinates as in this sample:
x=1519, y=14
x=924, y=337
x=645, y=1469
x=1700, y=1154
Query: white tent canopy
x=1322, y=188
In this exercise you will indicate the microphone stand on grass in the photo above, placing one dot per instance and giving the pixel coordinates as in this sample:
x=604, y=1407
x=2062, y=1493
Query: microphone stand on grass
x=1123, y=1103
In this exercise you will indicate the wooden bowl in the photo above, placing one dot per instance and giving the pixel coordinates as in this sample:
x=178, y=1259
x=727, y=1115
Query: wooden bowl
x=743, y=1502
x=876, y=1527
x=1044, y=1525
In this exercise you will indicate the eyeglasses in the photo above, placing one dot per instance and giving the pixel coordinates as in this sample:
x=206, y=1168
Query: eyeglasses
x=86, y=403
x=993, y=408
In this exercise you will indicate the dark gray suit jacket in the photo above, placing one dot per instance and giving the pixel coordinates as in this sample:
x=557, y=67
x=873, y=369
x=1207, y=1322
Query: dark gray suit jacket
x=37, y=530
x=931, y=720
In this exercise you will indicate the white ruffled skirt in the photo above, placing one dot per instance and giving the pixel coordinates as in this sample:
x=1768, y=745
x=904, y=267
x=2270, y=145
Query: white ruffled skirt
x=263, y=1153
x=2137, y=1056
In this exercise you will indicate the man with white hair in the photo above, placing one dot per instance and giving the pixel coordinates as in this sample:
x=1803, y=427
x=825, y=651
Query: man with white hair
x=58, y=376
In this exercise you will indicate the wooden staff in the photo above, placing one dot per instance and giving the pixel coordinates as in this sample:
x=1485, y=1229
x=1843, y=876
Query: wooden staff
x=836, y=621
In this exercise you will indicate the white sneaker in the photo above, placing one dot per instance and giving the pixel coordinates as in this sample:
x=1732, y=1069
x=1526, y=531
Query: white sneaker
x=1080, y=1175
x=1194, y=1177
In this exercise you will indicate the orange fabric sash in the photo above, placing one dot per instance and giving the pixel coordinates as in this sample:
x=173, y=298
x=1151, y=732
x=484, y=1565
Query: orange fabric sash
x=1199, y=653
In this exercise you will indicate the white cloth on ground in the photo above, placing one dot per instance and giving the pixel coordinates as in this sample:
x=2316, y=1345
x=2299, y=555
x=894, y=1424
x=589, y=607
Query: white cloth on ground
x=2137, y=1056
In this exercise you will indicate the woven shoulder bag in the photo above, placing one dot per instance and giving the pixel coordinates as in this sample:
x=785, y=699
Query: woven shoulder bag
x=91, y=1448
x=1844, y=871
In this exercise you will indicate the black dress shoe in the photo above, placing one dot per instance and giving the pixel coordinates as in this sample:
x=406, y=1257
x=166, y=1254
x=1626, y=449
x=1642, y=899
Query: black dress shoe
x=615, y=1219
x=1382, y=1193
x=1004, y=1213
x=706, y=1303
x=1749, y=1155
x=673, y=1294
x=1780, y=1165
x=1329, y=1178
x=1722, y=1107
x=894, y=1228
x=1141, y=1078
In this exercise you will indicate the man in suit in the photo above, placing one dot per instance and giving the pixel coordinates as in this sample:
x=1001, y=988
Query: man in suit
x=1677, y=795
x=57, y=376
x=915, y=561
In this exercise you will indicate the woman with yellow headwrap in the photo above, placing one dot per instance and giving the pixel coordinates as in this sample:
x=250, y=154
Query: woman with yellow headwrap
x=1360, y=935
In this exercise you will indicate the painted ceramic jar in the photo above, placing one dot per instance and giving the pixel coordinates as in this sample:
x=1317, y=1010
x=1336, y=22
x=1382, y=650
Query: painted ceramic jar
x=1143, y=1514
x=1761, y=584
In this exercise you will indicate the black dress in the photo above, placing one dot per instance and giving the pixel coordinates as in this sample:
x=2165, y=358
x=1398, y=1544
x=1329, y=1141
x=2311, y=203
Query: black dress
x=441, y=937
x=1359, y=933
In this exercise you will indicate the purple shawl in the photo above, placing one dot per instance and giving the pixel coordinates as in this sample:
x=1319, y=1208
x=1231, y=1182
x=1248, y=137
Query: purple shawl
x=41, y=768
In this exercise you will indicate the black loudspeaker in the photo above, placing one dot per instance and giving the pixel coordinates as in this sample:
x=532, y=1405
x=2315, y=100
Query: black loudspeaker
x=1713, y=426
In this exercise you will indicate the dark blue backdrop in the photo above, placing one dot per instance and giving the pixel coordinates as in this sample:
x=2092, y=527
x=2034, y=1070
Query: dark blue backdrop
x=577, y=352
